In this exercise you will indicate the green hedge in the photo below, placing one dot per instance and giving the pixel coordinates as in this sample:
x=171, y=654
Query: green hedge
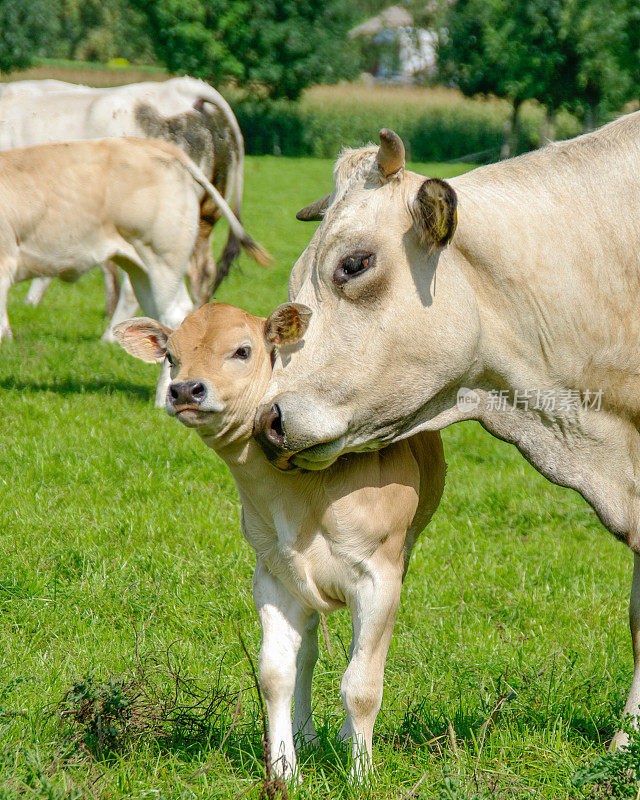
x=320, y=125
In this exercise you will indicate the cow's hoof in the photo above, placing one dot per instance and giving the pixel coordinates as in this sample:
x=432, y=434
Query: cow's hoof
x=108, y=337
x=619, y=741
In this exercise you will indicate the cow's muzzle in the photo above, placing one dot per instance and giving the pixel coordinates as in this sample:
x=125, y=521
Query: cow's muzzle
x=269, y=434
x=292, y=429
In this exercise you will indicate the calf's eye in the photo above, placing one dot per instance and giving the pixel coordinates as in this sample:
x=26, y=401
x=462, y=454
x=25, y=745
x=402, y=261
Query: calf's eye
x=352, y=265
x=169, y=358
x=242, y=353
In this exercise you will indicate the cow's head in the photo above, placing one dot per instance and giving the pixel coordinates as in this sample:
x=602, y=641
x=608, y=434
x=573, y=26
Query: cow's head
x=395, y=324
x=220, y=360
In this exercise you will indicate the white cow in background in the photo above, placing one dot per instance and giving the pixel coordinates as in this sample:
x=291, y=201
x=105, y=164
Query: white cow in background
x=184, y=110
x=35, y=87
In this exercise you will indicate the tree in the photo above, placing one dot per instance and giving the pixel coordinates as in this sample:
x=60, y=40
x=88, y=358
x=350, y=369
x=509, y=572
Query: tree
x=593, y=79
x=502, y=47
x=629, y=53
x=274, y=47
x=581, y=55
x=24, y=24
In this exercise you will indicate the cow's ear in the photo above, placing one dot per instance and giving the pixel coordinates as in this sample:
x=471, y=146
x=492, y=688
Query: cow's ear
x=315, y=211
x=434, y=212
x=143, y=338
x=287, y=324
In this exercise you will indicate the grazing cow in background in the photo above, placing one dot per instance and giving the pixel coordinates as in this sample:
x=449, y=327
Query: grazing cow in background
x=39, y=286
x=324, y=540
x=67, y=208
x=184, y=110
x=524, y=317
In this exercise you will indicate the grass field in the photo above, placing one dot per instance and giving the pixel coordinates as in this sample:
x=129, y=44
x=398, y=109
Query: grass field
x=122, y=563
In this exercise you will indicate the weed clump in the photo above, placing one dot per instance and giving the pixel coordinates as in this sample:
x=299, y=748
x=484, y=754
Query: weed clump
x=154, y=702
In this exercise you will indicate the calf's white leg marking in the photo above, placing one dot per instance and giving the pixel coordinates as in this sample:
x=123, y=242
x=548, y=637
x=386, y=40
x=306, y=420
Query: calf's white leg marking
x=127, y=307
x=5, y=285
x=283, y=619
x=303, y=728
x=373, y=610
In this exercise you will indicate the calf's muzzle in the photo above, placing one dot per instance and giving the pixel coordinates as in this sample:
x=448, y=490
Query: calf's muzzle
x=187, y=393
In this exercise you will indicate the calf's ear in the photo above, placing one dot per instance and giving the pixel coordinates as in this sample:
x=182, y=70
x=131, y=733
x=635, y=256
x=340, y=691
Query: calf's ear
x=144, y=338
x=287, y=324
x=434, y=212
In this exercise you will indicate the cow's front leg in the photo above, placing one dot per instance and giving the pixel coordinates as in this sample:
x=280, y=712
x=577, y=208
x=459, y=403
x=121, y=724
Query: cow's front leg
x=303, y=729
x=126, y=308
x=373, y=609
x=5, y=285
x=283, y=619
x=632, y=706
x=111, y=280
x=37, y=291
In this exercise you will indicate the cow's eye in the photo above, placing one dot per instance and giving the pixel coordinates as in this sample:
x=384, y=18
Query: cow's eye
x=243, y=352
x=352, y=265
x=169, y=358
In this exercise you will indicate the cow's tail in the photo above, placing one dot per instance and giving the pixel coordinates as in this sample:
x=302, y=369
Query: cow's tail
x=232, y=248
x=255, y=250
x=207, y=94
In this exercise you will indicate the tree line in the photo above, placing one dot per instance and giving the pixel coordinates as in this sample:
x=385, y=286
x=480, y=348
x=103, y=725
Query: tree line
x=578, y=55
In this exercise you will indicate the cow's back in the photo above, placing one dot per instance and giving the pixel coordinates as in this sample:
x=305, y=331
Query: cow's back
x=146, y=110
x=124, y=181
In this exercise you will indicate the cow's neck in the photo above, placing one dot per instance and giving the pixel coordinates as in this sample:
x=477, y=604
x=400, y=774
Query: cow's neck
x=552, y=262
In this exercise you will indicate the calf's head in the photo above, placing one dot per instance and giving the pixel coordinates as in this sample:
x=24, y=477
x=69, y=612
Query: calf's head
x=394, y=324
x=220, y=360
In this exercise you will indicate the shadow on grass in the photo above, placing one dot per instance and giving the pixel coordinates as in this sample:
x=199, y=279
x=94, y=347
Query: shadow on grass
x=70, y=386
x=427, y=725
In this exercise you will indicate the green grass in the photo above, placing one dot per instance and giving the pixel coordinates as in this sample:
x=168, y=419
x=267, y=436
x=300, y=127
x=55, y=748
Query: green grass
x=120, y=541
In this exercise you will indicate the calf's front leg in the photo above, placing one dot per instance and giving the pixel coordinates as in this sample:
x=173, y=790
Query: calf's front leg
x=304, y=731
x=283, y=619
x=373, y=610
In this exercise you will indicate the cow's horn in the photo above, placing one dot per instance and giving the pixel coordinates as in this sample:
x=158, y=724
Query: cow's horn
x=315, y=211
x=391, y=152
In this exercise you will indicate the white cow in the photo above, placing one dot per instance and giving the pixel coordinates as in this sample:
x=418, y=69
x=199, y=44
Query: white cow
x=66, y=208
x=35, y=87
x=509, y=296
x=184, y=110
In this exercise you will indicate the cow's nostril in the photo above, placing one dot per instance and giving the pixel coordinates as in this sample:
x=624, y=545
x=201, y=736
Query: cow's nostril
x=173, y=391
x=273, y=426
x=198, y=392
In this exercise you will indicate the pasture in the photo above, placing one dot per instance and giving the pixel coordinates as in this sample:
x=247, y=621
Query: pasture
x=123, y=574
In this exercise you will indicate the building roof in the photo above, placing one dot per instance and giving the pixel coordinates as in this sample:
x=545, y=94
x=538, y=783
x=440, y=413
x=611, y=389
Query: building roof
x=391, y=17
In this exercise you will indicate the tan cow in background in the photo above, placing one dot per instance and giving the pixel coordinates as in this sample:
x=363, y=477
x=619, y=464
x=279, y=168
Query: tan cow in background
x=66, y=208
